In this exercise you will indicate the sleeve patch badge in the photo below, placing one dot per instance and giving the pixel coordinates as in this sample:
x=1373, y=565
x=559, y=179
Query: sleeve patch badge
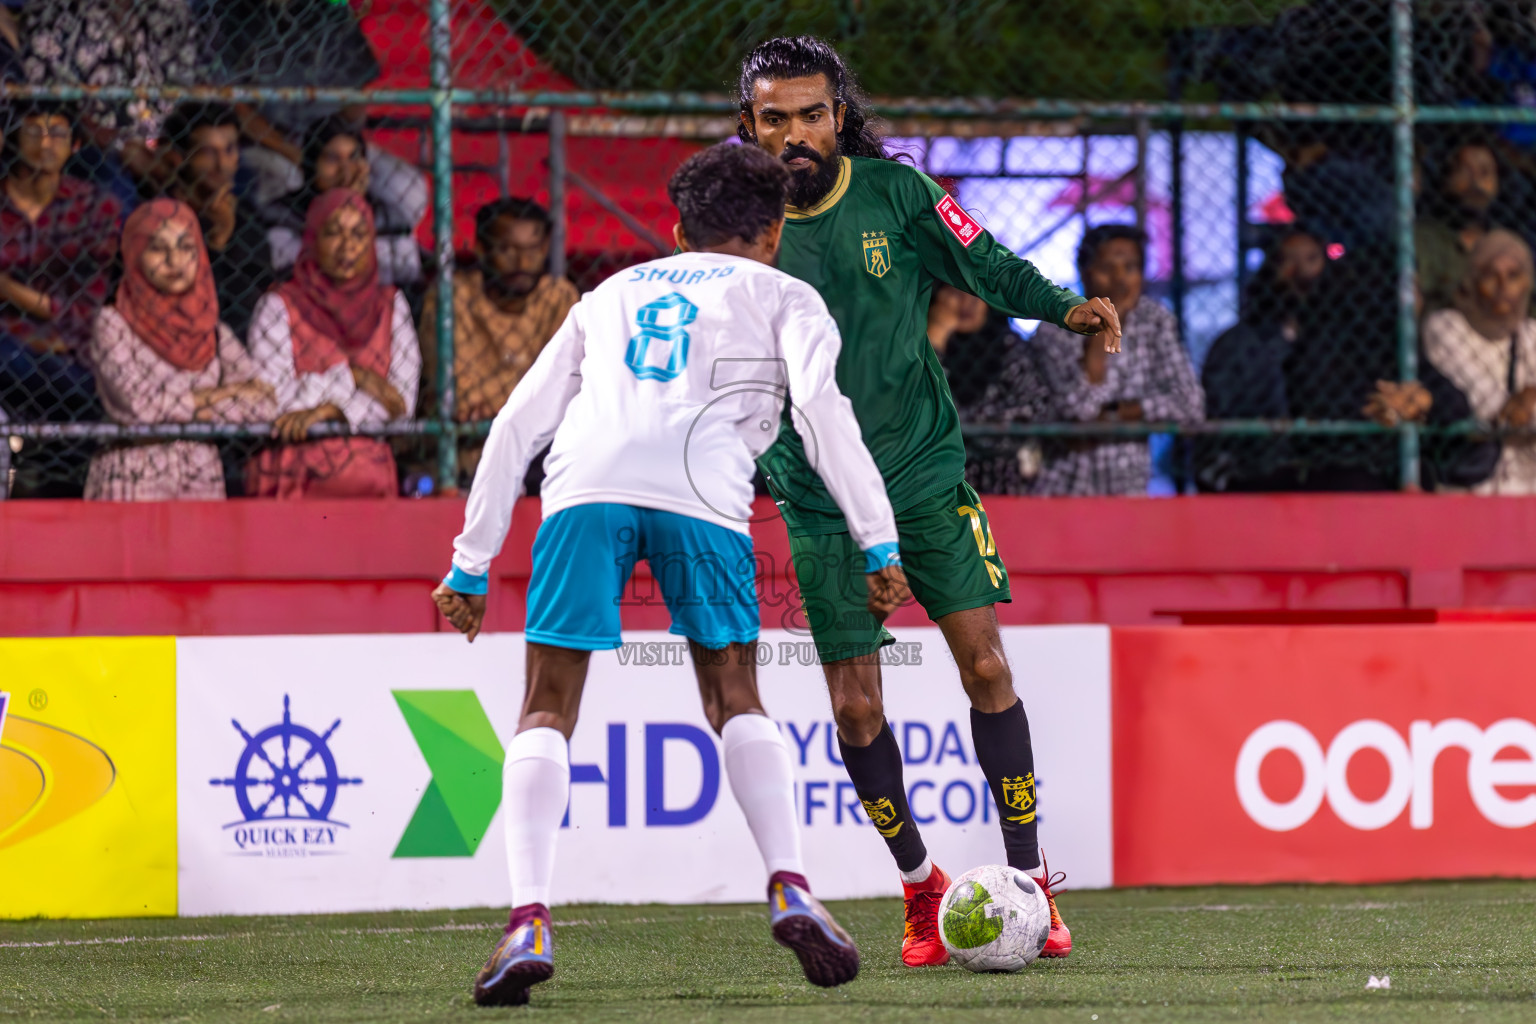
x=958, y=221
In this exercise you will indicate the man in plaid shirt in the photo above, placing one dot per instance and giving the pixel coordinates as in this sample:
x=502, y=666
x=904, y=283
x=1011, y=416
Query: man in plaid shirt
x=58, y=239
x=1150, y=381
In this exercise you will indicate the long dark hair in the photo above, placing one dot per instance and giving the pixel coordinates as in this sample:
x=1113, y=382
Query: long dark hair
x=800, y=57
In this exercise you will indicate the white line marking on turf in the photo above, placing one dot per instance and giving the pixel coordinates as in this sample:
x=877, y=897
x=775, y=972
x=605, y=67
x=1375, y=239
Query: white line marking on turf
x=595, y=922
x=119, y=940
x=123, y=939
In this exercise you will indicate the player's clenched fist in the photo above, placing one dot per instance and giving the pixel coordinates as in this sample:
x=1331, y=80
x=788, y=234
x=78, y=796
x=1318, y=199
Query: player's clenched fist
x=465, y=611
x=1097, y=316
x=887, y=591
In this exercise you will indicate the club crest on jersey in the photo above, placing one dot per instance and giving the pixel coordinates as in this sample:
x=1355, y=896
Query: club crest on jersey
x=877, y=253
x=1019, y=795
x=882, y=814
x=958, y=221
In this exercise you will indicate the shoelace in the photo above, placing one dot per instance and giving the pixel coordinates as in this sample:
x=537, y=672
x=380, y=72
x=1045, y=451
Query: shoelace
x=923, y=916
x=1052, y=887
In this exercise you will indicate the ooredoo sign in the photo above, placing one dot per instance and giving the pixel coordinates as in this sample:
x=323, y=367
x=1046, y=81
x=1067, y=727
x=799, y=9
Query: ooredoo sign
x=1346, y=754
x=1411, y=772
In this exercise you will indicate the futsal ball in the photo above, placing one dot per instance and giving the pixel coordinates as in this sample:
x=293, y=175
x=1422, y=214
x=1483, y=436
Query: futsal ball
x=994, y=918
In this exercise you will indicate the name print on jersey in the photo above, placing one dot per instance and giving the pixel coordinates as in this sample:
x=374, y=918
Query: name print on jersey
x=684, y=276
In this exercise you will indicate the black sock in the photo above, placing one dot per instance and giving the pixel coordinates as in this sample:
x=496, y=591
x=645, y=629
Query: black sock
x=876, y=774
x=1008, y=761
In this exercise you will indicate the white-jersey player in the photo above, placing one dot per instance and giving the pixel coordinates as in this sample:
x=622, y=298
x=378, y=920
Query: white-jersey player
x=658, y=391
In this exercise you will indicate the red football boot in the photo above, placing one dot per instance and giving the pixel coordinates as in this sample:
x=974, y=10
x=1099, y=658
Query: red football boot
x=921, y=945
x=1059, y=944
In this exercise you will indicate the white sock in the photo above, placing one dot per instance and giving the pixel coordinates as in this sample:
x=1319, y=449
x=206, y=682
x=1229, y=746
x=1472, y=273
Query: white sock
x=919, y=873
x=757, y=763
x=535, y=788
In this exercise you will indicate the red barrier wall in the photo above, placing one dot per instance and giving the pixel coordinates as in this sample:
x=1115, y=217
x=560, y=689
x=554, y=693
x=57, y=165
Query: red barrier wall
x=352, y=567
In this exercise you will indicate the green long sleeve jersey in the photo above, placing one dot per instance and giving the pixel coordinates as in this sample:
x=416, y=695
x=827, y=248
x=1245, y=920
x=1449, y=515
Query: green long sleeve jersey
x=874, y=248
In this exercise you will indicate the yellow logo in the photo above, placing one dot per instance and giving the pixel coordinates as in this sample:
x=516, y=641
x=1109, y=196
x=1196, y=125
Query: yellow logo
x=1019, y=794
x=35, y=755
x=877, y=253
x=88, y=764
x=881, y=813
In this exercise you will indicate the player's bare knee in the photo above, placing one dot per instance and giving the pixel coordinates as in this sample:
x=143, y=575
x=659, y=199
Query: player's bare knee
x=988, y=680
x=859, y=717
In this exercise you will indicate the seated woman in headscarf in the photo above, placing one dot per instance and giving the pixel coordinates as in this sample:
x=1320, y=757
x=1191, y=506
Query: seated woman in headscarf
x=163, y=356
x=1486, y=345
x=337, y=156
x=337, y=346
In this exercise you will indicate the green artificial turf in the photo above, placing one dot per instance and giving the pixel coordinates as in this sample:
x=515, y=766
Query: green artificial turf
x=1464, y=951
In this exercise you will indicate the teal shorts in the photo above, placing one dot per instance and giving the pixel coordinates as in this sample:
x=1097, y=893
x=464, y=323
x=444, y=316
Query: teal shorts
x=583, y=557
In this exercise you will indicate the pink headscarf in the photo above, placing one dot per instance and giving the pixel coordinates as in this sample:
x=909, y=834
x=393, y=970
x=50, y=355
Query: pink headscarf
x=334, y=322
x=183, y=329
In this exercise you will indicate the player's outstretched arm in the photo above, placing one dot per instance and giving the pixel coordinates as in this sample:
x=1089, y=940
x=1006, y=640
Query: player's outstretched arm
x=525, y=425
x=958, y=251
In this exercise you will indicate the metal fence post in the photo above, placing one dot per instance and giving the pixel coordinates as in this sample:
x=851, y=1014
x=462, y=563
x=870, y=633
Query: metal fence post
x=1143, y=131
x=1176, y=282
x=1402, y=152
x=1240, y=138
x=557, y=180
x=440, y=44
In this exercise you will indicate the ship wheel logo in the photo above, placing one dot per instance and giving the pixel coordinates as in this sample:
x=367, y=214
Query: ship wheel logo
x=286, y=772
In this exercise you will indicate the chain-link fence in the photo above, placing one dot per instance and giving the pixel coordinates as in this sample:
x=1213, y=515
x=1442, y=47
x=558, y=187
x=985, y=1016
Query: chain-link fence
x=290, y=247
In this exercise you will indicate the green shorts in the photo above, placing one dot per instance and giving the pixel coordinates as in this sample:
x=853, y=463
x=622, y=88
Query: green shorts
x=948, y=554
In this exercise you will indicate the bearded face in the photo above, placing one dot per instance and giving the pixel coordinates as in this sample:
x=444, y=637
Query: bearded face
x=797, y=120
x=812, y=175
x=1473, y=181
x=513, y=258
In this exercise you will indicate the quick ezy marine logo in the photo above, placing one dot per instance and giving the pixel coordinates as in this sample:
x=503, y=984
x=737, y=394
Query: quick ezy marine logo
x=285, y=784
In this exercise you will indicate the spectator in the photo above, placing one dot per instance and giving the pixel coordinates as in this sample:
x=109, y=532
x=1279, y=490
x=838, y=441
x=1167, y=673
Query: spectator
x=130, y=43
x=993, y=379
x=1338, y=181
x=1344, y=366
x=1486, y=345
x=505, y=310
x=1244, y=373
x=163, y=356
x=290, y=43
x=203, y=150
x=336, y=345
x=58, y=239
x=1457, y=217
x=337, y=156
x=1150, y=380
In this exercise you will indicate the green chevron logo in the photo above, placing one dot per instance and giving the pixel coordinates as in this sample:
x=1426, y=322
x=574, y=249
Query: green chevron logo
x=465, y=756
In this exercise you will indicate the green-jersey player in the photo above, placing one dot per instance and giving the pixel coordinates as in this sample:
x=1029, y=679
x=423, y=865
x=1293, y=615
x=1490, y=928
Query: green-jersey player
x=874, y=236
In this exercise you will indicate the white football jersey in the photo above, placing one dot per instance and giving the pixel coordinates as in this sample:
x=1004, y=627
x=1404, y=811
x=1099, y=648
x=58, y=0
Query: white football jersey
x=659, y=390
